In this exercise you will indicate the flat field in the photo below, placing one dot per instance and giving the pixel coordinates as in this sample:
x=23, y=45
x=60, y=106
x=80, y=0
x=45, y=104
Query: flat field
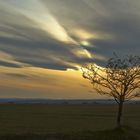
x=47, y=120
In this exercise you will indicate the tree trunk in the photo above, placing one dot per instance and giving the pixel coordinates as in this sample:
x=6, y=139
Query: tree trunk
x=120, y=109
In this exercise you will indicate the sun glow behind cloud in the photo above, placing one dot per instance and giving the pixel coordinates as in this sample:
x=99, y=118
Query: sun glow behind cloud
x=85, y=43
x=44, y=20
x=44, y=43
x=28, y=77
x=83, y=34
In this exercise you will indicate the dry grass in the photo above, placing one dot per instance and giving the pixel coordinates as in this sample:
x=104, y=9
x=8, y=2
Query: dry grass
x=28, y=121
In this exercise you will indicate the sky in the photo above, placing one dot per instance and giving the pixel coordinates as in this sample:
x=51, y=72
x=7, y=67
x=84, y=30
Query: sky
x=44, y=43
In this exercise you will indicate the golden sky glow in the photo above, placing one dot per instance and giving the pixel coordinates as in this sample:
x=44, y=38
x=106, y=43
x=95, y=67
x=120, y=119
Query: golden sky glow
x=47, y=83
x=85, y=43
x=44, y=43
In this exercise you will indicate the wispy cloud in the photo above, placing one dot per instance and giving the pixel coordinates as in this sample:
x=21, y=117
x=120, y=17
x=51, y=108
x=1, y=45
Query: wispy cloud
x=41, y=39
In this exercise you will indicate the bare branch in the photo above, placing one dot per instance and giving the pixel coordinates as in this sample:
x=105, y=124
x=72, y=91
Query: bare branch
x=120, y=79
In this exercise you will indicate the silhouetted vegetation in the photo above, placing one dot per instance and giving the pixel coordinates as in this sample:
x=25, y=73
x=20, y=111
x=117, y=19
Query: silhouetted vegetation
x=67, y=122
x=120, y=79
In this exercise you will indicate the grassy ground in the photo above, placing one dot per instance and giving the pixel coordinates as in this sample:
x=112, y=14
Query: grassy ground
x=70, y=122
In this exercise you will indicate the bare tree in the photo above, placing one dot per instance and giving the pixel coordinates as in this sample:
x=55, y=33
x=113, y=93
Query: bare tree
x=120, y=79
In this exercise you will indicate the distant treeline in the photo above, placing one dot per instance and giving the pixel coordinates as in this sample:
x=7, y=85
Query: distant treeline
x=62, y=101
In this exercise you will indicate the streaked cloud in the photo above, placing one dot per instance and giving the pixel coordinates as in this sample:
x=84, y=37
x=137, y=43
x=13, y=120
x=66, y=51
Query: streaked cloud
x=44, y=41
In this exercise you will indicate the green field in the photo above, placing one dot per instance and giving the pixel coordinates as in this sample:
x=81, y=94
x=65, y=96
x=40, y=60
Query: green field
x=82, y=121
